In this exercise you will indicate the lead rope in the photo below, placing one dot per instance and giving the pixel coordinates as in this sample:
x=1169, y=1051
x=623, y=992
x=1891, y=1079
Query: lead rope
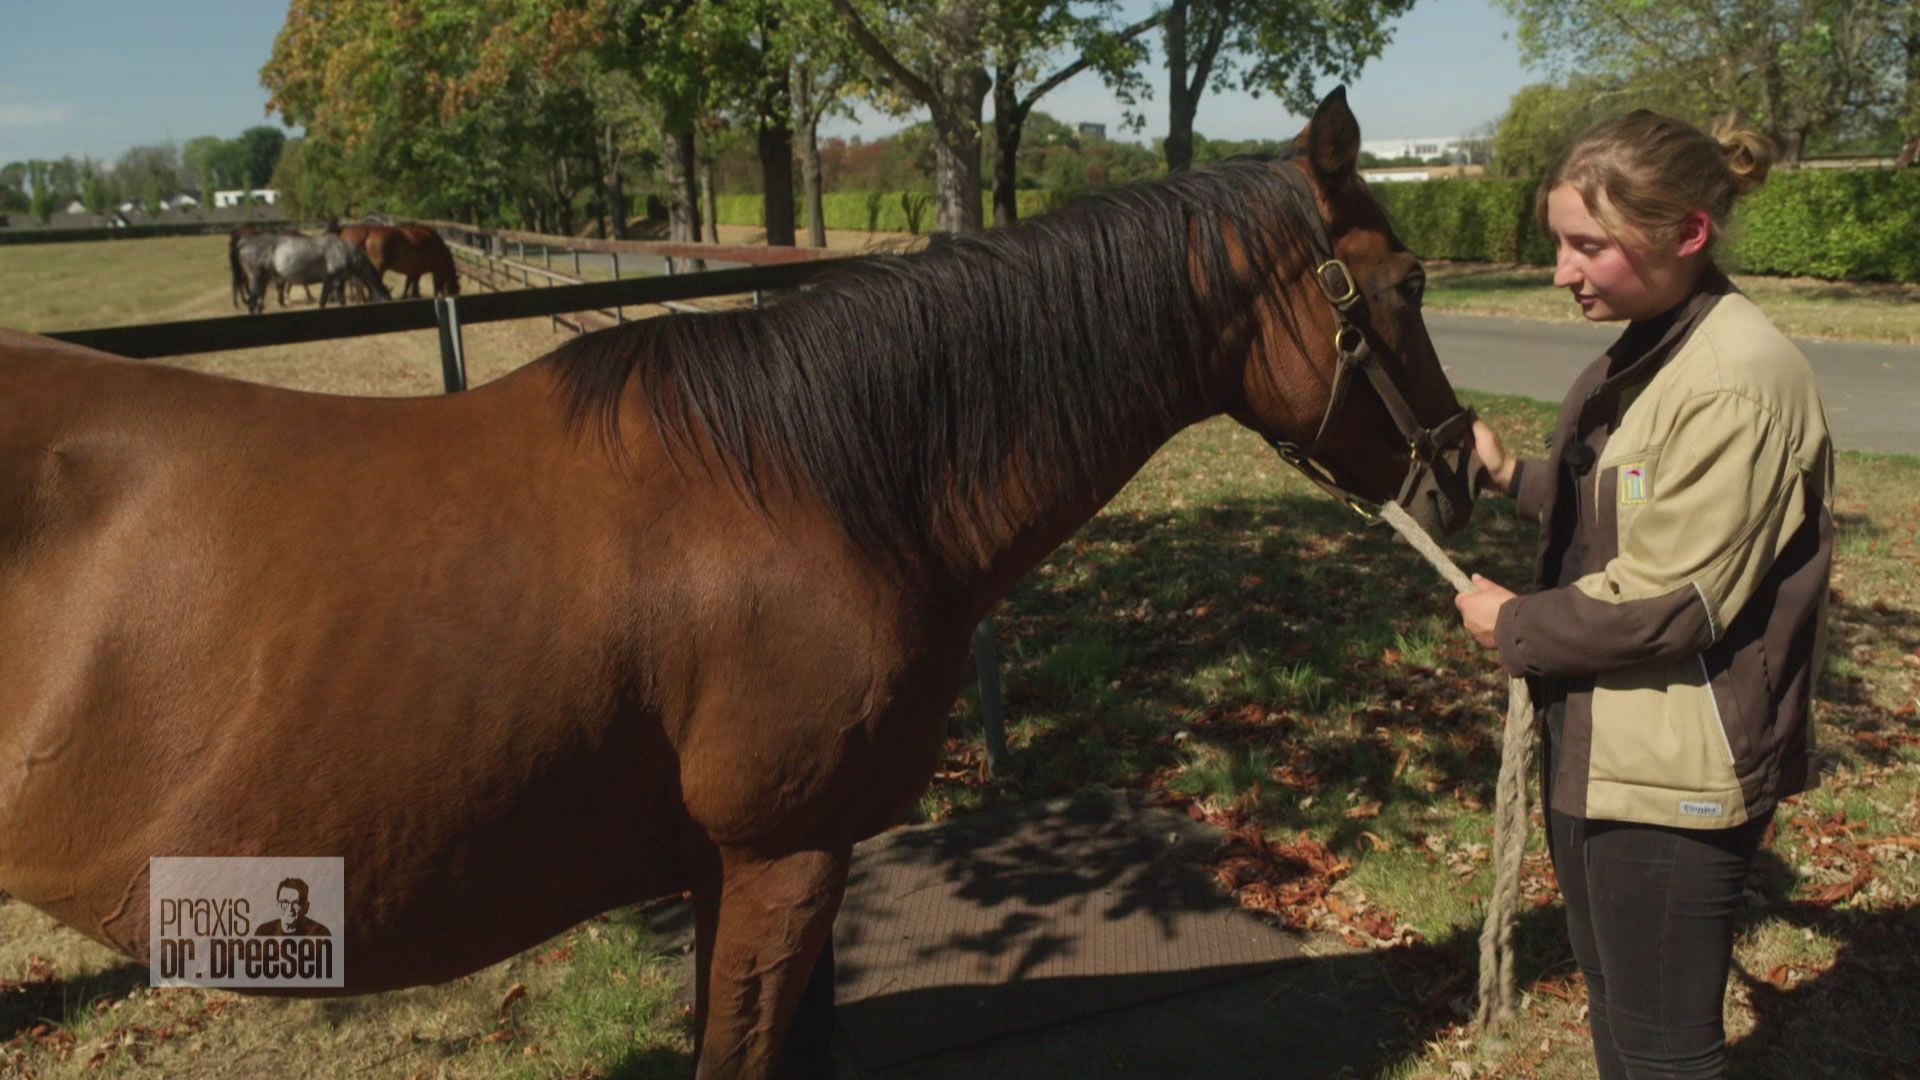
x=1497, y=984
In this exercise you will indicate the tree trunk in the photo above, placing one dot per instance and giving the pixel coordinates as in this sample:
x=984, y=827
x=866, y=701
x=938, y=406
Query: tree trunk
x=1910, y=115
x=776, y=178
x=677, y=161
x=956, y=151
x=1180, y=106
x=710, y=201
x=615, y=186
x=1793, y=146
x=809, y=133
x=1009, y=122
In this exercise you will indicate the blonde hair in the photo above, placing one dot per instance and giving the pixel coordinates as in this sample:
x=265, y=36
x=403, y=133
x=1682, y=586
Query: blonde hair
x=1656, y=170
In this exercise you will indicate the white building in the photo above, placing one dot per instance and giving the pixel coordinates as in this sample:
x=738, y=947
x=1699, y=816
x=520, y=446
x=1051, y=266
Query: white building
x=267, y=196
x=1424, y=148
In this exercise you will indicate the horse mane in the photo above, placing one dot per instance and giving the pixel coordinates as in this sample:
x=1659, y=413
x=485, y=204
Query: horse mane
x=900, y=388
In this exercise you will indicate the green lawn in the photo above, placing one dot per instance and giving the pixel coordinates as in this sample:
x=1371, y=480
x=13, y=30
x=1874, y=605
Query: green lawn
x=1802, y=307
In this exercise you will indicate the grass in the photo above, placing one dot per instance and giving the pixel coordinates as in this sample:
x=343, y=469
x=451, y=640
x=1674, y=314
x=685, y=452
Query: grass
x=1222, y=636
x=1803, y=307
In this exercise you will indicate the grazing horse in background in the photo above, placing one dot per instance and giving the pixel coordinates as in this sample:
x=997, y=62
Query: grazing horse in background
x=683, y=605
x=292, y=259
x=412, y=251
x=240, y=296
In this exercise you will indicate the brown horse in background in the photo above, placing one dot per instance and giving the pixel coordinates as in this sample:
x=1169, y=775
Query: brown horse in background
x=683, y=605
x=412, y=251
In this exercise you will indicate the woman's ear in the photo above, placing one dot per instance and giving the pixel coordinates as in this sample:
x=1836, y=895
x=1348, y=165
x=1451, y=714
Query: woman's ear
x=1696, y=229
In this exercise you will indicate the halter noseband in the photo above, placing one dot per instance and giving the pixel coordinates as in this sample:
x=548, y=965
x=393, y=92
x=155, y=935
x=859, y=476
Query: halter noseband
x=1350, y=337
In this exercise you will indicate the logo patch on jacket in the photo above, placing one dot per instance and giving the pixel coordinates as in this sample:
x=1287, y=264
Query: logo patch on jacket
x=1633, y=482
x=1689, y=808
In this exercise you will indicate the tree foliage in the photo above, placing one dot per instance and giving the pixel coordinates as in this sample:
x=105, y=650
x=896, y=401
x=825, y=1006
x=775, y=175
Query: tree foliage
x=1795, y=68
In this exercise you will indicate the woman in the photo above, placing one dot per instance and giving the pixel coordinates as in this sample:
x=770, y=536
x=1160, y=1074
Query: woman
x=1676, y=623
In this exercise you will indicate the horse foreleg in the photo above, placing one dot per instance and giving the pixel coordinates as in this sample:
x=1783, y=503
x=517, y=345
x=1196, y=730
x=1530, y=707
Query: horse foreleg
x=773, y=919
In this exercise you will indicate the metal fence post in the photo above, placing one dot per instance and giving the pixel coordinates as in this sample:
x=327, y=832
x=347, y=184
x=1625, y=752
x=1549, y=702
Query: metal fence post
x=993, y=717
x=453, y=363
x=619, y=313
x=576, y=265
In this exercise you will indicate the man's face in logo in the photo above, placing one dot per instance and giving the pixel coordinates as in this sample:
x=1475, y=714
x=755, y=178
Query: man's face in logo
x=291, y=906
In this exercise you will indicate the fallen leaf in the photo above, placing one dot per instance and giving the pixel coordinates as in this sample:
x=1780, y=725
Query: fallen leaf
x=514, y=993
x=1368, y=809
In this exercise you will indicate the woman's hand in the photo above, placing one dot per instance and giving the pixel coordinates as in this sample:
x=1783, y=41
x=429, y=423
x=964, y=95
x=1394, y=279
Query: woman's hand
x=1480, y=609
x=1493, y=458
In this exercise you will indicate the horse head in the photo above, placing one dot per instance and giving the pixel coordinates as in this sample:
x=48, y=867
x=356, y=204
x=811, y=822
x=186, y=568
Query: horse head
x=1342, y=378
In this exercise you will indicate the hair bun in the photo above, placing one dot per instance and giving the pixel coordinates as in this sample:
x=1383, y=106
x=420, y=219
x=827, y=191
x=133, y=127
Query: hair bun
x=1748, y=154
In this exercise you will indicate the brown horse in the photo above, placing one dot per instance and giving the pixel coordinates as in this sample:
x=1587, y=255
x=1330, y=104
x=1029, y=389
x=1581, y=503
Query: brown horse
x=411, y=251
x=681, y=606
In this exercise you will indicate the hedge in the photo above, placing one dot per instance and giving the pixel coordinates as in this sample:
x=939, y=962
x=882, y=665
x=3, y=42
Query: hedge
x=1843, y=224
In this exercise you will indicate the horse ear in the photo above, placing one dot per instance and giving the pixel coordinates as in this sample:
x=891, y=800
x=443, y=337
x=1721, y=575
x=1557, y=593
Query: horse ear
x=1331, y=140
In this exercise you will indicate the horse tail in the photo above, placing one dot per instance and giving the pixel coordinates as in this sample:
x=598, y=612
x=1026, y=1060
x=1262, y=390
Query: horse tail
x=239, y=288
x=446, y=279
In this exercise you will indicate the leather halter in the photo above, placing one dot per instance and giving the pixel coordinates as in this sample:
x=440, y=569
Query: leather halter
x=1350, y=337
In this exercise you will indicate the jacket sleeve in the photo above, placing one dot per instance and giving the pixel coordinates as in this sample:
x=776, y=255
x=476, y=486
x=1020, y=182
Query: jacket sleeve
x=1532, y=484
x=1725, y=496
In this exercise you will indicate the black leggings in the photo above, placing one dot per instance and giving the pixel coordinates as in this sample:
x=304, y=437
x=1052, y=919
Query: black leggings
x=1650, y=910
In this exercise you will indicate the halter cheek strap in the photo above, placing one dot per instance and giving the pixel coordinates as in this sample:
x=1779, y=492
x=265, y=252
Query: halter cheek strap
x=1356, y=354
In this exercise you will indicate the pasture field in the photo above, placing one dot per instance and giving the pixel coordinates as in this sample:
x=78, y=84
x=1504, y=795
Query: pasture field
x=1226, y=640
x=1802, y=307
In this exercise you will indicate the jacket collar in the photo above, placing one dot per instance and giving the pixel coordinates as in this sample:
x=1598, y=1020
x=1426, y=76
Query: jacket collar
x=1646, y=345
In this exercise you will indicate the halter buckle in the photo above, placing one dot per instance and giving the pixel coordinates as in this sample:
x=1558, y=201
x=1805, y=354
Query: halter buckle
x=1341, y=291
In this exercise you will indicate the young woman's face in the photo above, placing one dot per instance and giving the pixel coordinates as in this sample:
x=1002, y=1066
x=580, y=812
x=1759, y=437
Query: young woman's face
x=1622, y=275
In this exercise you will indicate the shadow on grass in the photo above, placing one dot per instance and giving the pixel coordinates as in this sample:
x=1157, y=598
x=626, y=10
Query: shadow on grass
x=1272, y=622
x=56, y=1001
x=653, y=1064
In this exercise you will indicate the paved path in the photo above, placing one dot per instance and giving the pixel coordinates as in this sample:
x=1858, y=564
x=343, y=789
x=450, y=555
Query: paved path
x=1872, y=391
x=1084, y=937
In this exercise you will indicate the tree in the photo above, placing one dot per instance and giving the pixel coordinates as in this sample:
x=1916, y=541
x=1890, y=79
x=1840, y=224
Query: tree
x=1026, y=31
x=13, y=187
x=1543, y=118
x=1792, y=67
x=261, y=147
x=42, y=203
x=97, y=191
x=824, y=68
x=148, y=173
x=934, y=53
x=1275, y=46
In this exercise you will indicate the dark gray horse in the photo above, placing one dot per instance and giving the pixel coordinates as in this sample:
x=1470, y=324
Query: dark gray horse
x=304, y=260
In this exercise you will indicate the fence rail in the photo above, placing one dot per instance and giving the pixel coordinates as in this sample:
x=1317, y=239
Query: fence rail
x=148, y=340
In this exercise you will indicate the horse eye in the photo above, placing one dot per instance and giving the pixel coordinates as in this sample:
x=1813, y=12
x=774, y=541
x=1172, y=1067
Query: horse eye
x=1414, y=287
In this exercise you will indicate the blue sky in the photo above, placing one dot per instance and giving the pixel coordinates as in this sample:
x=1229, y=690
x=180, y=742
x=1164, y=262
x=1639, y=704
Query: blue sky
x=93, y=77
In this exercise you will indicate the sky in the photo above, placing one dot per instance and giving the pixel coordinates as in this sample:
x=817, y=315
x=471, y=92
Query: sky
x=94, y=77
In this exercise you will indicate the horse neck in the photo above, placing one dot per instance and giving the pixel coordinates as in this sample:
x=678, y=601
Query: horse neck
x=1255, y=363
x=1023, y=529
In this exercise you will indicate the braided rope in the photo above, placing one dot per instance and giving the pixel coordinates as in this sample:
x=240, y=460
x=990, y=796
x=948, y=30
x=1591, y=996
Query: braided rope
x=1498, y=986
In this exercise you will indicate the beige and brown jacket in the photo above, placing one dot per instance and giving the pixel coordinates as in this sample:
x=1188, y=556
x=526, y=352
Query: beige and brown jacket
x=1687, y=538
